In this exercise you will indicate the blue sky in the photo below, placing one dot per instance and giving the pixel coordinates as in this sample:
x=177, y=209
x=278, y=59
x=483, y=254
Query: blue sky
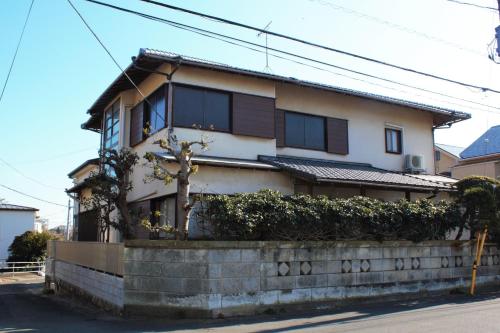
x=60, y=69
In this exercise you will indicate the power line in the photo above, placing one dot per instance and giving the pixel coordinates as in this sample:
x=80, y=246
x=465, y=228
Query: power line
x=302, y=41
x=17, y=49
x=474, y=5
x=55, y=157
x=399, y=27
x=217, y=36
x=113, y=58
x=28, y=177
x=32, y=197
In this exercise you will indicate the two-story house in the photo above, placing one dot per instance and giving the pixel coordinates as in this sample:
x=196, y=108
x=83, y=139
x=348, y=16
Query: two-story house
x=268, y=131
x=481, y=158
x=445, y=157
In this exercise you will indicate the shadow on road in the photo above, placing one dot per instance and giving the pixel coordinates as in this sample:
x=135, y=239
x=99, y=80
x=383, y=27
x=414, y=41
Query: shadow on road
x=24, y=308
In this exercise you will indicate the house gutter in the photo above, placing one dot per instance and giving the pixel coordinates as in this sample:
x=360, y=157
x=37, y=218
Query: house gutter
x=366, y=183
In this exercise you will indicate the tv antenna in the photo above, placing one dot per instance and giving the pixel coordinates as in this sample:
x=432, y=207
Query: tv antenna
x=267, y=68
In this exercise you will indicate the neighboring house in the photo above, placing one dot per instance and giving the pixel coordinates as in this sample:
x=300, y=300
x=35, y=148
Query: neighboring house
x=482, y=157
x=446, y=156
x=267, y=131
x=14, y=221
x=41, y=225
x=86, y=230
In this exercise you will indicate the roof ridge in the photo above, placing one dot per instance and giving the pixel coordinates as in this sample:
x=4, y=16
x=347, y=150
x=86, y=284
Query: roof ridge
x=321, y=160
x=428, y=180
x=153, y=52
x=7, y=206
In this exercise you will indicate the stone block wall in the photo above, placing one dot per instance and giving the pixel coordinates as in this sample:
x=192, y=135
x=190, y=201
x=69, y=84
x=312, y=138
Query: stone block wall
x=209, y=278
x=105, y=287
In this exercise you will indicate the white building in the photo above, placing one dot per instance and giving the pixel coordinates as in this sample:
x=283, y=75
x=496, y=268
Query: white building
x=14, y=221
x=41, y=225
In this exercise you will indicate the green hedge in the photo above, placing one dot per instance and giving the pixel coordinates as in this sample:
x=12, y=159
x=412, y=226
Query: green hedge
x=269, y=215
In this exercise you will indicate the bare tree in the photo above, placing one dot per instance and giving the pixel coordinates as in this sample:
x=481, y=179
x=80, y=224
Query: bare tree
x=183, y=153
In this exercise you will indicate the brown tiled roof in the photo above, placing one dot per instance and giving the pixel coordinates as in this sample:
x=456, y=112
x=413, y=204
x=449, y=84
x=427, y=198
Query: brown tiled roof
x=353, y=173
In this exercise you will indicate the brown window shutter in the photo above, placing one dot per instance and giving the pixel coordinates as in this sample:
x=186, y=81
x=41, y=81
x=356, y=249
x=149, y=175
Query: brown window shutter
x=280, y=128
x=253, y=115
x=137, y=124
x=337, y=136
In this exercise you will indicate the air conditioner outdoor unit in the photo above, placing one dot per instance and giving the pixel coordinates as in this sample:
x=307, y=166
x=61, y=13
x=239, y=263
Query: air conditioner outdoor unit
x=414, y=163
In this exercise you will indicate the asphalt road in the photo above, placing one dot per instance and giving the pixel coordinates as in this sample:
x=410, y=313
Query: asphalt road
x=24, y=309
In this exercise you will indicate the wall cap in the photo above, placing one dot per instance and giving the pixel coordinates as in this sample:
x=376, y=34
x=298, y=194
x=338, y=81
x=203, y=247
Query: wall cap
x=205, y=244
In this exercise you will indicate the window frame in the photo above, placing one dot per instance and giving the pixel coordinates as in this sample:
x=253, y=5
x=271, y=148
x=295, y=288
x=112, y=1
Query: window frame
x=399, y=139
x=230, y=106
x=148, y=118
x=165, y=115
x=325, y=143
x=105, y=138
x=437, y=155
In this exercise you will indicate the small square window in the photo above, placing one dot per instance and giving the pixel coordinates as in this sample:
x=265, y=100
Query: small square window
x=393, y=142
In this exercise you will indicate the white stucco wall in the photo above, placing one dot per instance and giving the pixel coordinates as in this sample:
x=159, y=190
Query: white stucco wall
x=367, y=120
x=213, y=180
x=84, y=173
x=13, y=223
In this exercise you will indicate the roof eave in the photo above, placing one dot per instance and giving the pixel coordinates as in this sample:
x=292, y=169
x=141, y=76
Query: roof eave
x=454, y=116
x=92, y=161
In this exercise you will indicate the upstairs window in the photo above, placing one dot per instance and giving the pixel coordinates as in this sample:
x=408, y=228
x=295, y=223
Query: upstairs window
x=304, y=131
x=153, y=114
x=156, y=109
x=112, y=126
x=393, y=142
x=199, y=107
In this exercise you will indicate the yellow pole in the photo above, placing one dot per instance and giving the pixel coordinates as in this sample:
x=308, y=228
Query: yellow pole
x=481, y=238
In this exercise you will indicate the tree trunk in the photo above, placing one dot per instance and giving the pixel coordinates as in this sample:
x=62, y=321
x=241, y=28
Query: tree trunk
x=183, y=204
x=126, y=219
x=465, y=217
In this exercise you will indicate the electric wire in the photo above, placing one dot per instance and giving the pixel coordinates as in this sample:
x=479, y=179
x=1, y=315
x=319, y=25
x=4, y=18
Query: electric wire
x=55, y=157
x=302, y=41
x=214, y=35
x=17, y=50
x=28, y=177
x=30, y=196
x=399, y=27
x=473, y=5
x=113, y=58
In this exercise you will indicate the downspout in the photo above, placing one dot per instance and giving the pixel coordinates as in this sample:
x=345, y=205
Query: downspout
x=75, y=201
x=101, y=143
x=434, y=150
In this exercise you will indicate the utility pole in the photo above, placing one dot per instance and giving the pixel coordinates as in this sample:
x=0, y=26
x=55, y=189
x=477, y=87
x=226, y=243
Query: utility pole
x=67, y=221
x=497, y=31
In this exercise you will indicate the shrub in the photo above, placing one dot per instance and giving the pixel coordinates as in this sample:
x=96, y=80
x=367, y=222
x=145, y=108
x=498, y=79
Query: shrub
x=269, y=215
x=480, y=198
x=30, y=246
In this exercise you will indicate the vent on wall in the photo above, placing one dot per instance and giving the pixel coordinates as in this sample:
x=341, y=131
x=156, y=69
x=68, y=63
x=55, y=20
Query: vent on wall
x=414, y=163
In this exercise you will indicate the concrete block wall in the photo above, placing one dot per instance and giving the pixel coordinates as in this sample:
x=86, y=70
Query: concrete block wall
x=105, y=287
x=232, y=278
